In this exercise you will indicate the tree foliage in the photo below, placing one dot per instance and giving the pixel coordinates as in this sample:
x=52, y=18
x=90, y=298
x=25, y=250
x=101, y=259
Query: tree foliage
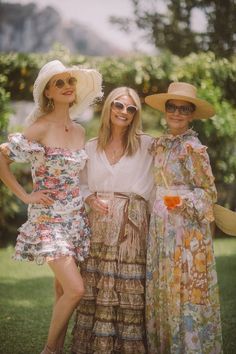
x=6, y=207
x=171, y=29
x=215, y=79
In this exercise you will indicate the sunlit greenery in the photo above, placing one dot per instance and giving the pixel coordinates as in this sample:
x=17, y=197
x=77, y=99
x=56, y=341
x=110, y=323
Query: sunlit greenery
x=215, y=80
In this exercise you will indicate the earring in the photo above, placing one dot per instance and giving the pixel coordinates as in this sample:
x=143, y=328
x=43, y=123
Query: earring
x=50, y=105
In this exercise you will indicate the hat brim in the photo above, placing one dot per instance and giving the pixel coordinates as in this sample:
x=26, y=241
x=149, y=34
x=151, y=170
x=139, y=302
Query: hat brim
x=203, y=110
x=225, y=219
x=88, y=88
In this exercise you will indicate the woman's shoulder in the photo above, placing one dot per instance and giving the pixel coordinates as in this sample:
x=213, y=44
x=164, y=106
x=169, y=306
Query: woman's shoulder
x=146, y=138
x=192, y=146
x=37, y=130
x=91, y=144
x=78, y=127
x=193, y=140
x=92, y=141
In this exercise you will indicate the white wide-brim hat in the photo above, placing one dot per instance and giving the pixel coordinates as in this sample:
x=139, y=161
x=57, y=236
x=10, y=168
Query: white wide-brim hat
x=225, y=219
x=88, y=88
x=182, y=91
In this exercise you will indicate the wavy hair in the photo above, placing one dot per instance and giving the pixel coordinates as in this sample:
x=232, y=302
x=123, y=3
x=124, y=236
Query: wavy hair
x=131, y=138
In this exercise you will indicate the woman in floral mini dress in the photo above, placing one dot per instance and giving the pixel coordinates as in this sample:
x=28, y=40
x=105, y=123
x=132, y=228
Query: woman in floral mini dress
x=57, y=229
x=182, y=300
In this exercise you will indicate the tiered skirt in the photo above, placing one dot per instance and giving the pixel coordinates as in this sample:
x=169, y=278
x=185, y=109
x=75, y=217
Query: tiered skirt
x=110, y=318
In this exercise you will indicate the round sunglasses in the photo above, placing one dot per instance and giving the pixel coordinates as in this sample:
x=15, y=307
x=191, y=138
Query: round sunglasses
x=131, y=109
x=184, y=110
x=60, y=83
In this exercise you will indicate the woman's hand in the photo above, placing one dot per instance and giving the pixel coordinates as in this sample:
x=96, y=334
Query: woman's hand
x=97, y=205
x=39, y=197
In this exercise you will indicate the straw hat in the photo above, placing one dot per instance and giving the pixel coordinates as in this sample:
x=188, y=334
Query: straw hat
x=88, y=87
x=181, y=91
x=225, y=219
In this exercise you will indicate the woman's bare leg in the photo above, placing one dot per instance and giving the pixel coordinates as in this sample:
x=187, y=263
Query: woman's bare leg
x=58, y=293
x=67, y=274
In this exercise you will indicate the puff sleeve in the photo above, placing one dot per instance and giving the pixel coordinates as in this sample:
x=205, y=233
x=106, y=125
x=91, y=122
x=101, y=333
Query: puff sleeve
x=20, y=149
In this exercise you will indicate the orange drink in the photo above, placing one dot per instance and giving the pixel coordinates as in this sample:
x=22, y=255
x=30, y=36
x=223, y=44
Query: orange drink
x=172, y=201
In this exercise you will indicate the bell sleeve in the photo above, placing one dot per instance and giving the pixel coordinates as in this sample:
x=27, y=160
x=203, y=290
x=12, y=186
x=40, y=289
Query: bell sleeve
x=198, y=204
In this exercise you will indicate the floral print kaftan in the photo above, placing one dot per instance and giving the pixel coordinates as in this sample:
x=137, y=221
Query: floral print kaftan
x=182, y=300
x=62, y=228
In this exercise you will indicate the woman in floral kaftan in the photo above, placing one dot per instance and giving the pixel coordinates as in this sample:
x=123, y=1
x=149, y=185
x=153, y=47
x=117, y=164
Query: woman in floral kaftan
x=182, y=300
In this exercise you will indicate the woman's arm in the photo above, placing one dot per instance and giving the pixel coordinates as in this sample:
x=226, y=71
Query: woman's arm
x=9, y=179
x=14, y=151
x=11, y=182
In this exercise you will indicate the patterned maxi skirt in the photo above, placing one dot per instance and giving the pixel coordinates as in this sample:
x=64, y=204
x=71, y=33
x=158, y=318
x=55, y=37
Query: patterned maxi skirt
x=110, y=318
x=182, y=295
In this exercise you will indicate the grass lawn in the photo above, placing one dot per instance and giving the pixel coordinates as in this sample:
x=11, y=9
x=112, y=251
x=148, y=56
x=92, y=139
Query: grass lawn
x=26, y=296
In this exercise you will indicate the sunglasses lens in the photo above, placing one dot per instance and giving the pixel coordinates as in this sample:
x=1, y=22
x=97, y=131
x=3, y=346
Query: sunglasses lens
x=131, y=109
x=183, y=110
x=72, y=81
x=59, y=83
x=118, y=105
x=170, y=108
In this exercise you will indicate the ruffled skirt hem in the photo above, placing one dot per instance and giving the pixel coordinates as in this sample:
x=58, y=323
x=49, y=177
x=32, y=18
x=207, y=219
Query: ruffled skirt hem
x=110, y=317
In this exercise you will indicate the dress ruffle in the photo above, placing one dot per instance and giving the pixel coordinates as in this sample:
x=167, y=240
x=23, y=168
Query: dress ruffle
x=61, y=229
x=166, y=141
x=20, y=149
x=110, y=317
x=48, y=238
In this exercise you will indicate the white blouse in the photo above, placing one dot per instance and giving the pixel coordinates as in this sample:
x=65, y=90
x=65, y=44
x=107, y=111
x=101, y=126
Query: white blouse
x=131, y=174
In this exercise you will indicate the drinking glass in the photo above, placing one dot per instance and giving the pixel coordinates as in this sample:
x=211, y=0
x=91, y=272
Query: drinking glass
x=106, y=198
x=172, y=199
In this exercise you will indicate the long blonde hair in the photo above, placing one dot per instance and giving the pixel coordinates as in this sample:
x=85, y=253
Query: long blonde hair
x=131, y=139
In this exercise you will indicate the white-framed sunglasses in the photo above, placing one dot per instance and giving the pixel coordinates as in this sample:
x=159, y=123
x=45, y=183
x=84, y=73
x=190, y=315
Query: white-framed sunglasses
x=131, y=109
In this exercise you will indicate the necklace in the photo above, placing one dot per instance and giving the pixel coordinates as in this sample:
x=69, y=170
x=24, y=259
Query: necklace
x=114, y=151
x=65, y=126
x=114, y=155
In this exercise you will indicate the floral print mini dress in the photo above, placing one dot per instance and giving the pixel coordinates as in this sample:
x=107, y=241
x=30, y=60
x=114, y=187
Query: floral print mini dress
x=61, y=229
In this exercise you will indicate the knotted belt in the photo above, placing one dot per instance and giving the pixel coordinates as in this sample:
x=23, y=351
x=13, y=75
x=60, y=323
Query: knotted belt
x=130, y=213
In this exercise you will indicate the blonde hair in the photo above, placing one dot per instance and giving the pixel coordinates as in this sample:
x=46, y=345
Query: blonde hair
x=131, y=138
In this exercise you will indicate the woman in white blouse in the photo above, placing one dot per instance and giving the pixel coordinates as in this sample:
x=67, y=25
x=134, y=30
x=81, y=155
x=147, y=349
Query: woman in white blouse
x=116, y=184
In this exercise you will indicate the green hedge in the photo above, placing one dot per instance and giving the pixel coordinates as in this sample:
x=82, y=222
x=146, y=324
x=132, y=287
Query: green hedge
x=214, y=78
